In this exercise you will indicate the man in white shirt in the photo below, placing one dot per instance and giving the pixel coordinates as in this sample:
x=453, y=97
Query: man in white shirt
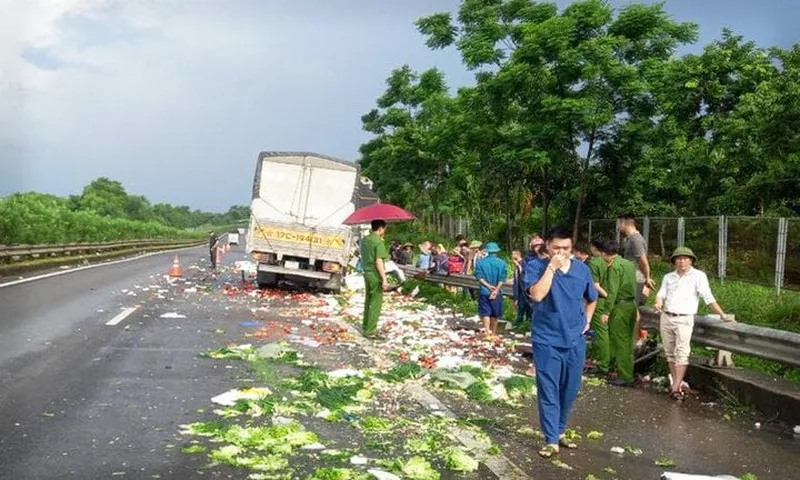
x=677, y=299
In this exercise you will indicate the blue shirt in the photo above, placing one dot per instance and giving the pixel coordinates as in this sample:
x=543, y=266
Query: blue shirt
x=560, y=316
x=491, y=269
x=424, y=261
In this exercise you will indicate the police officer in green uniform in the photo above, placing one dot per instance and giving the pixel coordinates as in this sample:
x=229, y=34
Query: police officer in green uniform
x=373, y=256
x=601, y=348
x=619, y=311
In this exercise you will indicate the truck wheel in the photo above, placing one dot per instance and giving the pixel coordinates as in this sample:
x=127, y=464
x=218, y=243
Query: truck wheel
x=266, y=280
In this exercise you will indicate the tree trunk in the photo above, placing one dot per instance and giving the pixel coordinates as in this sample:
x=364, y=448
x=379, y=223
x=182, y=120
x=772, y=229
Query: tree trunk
x=582, y=188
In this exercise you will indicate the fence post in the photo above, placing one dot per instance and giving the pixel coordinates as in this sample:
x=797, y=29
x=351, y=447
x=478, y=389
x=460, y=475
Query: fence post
x=646, y=234
x=780, y=255
x=616, y=229
x=590, y=231
x=681, y=231
x=722, y=250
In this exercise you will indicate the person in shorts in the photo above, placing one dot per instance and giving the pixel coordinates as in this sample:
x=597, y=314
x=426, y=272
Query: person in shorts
x=677, y=299
x=491, y=273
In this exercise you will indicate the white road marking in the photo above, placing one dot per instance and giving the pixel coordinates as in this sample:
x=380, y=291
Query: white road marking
x=87, y=267
x=121, y=316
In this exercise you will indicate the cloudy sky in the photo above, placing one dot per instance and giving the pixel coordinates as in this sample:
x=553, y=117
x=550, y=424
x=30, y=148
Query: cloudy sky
x=175, y=98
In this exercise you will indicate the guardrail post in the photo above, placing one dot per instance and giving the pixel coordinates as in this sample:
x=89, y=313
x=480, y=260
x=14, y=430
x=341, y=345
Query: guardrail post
x=780, y=254
x=646, y=233
x=722, y=250
x=616, y=231
x=590, y=232
x=721, y=359
x=681, y=231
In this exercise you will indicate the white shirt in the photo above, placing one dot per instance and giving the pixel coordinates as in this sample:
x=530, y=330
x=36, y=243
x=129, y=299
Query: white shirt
x=681, y=294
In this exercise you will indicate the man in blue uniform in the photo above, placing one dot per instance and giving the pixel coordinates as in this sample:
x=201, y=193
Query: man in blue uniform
x=564, y=299
x=491, y=273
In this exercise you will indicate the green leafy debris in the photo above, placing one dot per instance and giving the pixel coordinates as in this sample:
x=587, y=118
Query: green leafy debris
x=241, y=352
x=520, y=386
x=666, y=462
x=480, y=392
x=456, y=459
x=402, y=372
x=633, y=450
x=194, y=449
x=594, y=435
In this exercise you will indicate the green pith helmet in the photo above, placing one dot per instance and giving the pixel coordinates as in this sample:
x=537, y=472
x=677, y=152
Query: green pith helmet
x=682, y=252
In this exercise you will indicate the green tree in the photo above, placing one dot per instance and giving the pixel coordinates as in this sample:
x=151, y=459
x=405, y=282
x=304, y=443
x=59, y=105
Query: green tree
x=557, y=86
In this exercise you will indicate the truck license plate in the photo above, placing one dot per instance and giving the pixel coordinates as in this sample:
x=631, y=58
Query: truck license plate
x=292, y=264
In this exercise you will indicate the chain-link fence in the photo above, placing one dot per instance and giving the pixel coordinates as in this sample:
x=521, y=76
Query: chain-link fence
x=754, y=249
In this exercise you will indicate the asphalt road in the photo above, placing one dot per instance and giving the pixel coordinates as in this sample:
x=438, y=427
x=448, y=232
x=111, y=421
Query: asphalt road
x=83, y=399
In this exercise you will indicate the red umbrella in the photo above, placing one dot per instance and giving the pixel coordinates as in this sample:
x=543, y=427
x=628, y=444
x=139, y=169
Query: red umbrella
x=379, y=211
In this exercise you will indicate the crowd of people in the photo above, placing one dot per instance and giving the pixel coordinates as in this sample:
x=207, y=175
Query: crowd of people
x=564, y=292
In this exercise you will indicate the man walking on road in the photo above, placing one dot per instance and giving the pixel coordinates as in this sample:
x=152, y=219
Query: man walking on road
x=491, y=273
x=618, y=312
x=373, y=256
x=677, y=299
x=213, y=244
x=564, y=298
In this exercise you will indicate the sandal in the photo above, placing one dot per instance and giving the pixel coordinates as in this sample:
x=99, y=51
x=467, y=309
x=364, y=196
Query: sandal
x=677, y=396
x=548, y=451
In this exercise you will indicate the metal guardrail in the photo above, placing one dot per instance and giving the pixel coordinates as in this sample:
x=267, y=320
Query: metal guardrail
x=766, y=343
x=11, y=253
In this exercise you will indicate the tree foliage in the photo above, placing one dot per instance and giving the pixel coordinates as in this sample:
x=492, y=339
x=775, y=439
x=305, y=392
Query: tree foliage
x=103, y=212
x=586, y=111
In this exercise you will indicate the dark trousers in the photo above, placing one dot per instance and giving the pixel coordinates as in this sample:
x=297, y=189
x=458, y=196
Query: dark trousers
x=213, y=258
x=524, y=311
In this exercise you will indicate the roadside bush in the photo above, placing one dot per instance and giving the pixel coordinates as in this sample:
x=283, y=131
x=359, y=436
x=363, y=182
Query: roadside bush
x=33, y=218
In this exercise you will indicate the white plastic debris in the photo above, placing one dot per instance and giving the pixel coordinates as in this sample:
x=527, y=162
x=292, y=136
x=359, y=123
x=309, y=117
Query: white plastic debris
x=797, y=429
x=686, y=476
x=345, y=372
x=313, y=446
x=172, y=315
x=618, y=450
x=191, y=290
x=758, y=424
x=230, y=397
x=358, y=460
x=281, y=421
x=381, y=475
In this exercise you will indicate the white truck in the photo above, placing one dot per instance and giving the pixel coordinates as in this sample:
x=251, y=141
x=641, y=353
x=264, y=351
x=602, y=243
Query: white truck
x=300, y=200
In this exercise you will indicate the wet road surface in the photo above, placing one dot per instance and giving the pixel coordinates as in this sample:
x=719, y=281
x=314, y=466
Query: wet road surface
x=82, y=399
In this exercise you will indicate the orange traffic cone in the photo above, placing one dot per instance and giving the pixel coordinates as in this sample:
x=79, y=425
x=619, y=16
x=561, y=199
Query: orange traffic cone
x=175, y=271
x=219, y=256
x=227, y=248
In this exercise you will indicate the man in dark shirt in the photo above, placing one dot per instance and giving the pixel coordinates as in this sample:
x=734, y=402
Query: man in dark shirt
x=213, y=243
x=564, y=299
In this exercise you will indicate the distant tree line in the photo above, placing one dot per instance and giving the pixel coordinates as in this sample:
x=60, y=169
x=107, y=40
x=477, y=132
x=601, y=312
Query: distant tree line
x=104, y=211
x=586, y=112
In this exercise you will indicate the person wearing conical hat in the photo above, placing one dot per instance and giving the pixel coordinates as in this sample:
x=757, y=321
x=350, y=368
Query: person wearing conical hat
x=677, y=299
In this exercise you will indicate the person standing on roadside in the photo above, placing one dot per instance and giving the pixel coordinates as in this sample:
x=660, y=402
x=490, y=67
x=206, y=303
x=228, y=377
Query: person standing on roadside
x=564, y=299
x=373, y=256
x=520, y=295
x=491, y=273
x=601, y=346
x=618, y=312
x=634, y=248
x=213, y=244
x=677, y=299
